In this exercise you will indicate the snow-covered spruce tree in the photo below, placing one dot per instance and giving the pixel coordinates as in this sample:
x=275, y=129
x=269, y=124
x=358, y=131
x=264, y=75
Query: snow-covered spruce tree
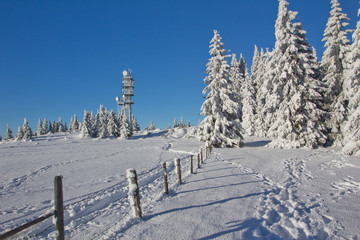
x=9, y=133
x=74, y=124
x=27, y=132
x=125, y=130
x=351, y=130
x=296, y=121
x=333, y=64
x=39, y=129
x=45, y=127
x=60, y=126
x=113, y=125
x=152, y=126
x=135, y=125
x=248, y=107
x=221, y=126
x=102, y=117
x=237, y=80
x=20, y=134
x=182, y=123
x=258, y=77
x=87, y=125
x=175, y=125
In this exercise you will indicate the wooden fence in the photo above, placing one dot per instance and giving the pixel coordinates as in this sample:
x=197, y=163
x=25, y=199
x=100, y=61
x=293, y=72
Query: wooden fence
x=133, y=194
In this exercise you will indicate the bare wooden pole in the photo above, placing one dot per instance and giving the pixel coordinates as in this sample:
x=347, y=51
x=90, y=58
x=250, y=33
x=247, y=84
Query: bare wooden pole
x=178, y=169
x=59, y=208
x=191, y=164
x=165, y=179
x=134, y=195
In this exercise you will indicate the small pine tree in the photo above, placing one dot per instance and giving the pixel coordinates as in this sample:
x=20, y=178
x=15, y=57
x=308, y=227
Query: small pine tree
x=20, y=134
x=8, y=133
x=88, y=125
x=152, y=126
x=113, y=125
x=135, y=125
x=175, y=125
x=45, y=127
x=39, y=130
x=102, y=117
x=27, y=130
x=125, y=131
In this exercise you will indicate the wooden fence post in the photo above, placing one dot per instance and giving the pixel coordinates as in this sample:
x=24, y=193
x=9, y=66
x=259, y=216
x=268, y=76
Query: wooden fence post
x=165, y=179
x=134, y=195
x=59, y=208
x=191, y=164
x=178, y=169
x=198, y=160
x=201, y=155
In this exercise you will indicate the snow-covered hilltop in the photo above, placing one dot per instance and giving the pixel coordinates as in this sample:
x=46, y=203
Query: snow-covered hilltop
x=249, y=193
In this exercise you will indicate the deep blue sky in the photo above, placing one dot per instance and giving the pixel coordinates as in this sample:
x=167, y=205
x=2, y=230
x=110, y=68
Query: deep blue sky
x=58, y=58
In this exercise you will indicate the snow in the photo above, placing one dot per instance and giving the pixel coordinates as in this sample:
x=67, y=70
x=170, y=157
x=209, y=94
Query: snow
x=253, y=192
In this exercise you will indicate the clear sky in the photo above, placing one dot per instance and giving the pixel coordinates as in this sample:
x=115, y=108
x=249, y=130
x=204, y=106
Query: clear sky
x=58, y=58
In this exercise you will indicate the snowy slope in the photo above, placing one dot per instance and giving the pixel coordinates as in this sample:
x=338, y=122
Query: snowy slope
x=249, y=193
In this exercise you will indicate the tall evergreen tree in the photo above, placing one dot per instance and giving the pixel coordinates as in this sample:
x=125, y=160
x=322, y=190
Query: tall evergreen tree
x=125, y=130
x=45, y=127
x=352, y=90
x=39, y=130
x=20, y=134
x=236, y=80
x=9, y=133
x=103, y=122
x=113, y=126
x=87, y=125
x=248, y=107
x=296, y=120
x=26, y=130
x=135, y=125
x=175, y=125
x=221, y=126
x=333, y=64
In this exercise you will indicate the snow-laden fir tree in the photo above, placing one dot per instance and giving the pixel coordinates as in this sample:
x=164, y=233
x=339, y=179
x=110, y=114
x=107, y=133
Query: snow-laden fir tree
x=88, y=124
x=175, y=125
x=39, y=129
x=182, y=123
x=74, y=124
x=45, y=127
x=113, y=125
x=248, y=106
x=60, y=126
x=351, y=130
x=102, y=117
x=296, y=121
x=125, y=129
x=236, y=79
x=20, y=134
x=8, y=133
x=152, y=126
x=221, y=126
x=27, y=132
x=135, y=126
x=259, y=72
x=333, y=63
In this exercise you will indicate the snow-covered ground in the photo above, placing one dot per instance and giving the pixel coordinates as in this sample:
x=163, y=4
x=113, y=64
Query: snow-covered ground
x=249, y=193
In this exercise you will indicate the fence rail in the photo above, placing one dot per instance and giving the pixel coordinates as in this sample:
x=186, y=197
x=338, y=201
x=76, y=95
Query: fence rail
x=134, y=196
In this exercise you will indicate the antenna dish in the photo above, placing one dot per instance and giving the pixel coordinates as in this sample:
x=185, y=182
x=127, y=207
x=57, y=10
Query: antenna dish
x=125, y=73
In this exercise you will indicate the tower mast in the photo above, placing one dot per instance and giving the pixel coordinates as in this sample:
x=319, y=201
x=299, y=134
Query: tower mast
x=127, y=93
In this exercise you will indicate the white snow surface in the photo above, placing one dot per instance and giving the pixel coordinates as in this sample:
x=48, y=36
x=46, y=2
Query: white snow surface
x=253, y=192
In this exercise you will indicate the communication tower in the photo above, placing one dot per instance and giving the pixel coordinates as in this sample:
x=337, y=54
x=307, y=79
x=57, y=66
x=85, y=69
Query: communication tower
x=127, y=93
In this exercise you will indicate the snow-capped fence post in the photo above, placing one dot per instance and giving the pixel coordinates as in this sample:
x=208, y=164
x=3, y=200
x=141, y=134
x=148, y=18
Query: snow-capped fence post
x=165, y=179
x=191, y=164
x=178, y=169
x=198, y=160
x=134, y=195
x=201, y=155
x=59, y=208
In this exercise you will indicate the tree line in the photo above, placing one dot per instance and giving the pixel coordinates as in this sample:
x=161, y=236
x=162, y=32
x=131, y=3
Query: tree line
x=290, y=96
